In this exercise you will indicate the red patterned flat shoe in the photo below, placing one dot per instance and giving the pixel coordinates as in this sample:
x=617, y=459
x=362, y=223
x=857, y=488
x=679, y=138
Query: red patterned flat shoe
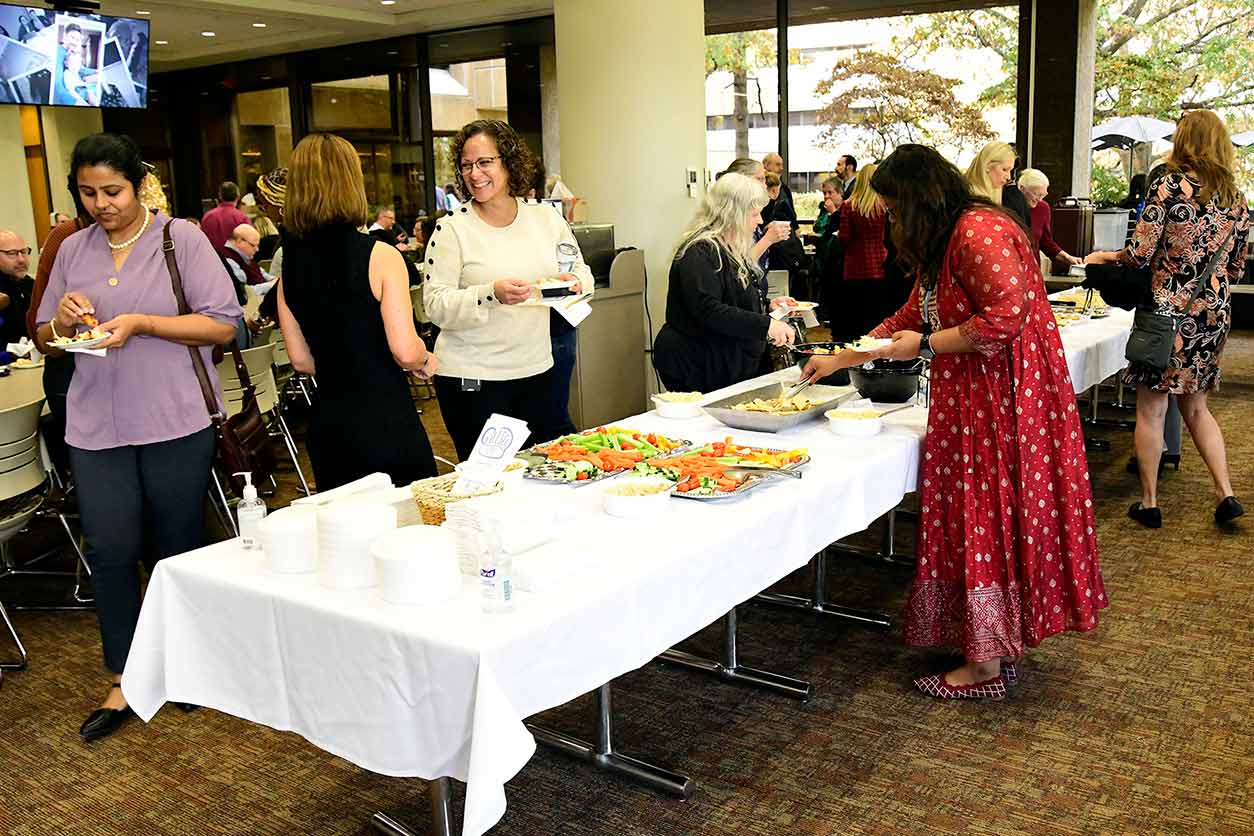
x=936, y=686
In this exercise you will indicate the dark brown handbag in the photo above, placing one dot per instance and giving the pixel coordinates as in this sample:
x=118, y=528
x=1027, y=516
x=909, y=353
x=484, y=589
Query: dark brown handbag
x=243, y=441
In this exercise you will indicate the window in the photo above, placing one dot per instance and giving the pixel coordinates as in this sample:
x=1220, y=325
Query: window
x=265, y=133
x=354, y=105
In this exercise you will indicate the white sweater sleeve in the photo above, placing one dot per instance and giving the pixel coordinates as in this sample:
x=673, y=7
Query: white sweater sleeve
x=448, y=304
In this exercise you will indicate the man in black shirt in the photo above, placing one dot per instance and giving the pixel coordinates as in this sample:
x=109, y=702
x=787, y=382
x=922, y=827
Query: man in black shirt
x=15, y=287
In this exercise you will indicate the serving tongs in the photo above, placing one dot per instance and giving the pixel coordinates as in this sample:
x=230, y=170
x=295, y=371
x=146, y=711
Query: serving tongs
x=799, y=388
x=765, y=470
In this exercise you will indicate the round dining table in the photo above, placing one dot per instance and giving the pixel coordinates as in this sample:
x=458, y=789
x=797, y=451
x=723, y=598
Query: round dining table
x=21, y=386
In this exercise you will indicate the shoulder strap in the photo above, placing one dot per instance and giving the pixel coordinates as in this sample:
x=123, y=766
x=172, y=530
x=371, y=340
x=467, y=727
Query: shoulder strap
x=198, y=361
x=1204, y=279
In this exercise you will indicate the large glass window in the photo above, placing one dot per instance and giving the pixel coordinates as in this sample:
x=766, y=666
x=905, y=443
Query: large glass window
x=462, y=93
x=354, y=105
x=265, y=133
x=741, y=96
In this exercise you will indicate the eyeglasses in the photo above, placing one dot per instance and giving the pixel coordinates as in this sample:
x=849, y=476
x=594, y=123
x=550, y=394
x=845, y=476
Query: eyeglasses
x=15, y=253
x=483, y=164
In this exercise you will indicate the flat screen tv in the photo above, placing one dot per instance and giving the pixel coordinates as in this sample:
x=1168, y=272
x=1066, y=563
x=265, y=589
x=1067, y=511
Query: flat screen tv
x=50, y=57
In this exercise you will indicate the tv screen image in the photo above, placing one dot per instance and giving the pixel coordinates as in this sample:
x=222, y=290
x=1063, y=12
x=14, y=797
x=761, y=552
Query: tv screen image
x=67, y=58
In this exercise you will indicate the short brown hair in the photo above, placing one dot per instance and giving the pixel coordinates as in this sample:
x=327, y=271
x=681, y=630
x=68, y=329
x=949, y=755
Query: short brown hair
x=324, y=185
x=772, y=180
x=515, y=155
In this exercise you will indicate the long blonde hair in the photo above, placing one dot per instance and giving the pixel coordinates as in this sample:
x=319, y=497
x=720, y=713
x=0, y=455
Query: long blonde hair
x=977, y=172
x=865, y=200
x=1202, y=145
x=722, y=221
x=324, y=185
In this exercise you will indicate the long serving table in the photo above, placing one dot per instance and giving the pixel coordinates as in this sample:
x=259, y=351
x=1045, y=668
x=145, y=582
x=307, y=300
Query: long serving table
x=444, y=692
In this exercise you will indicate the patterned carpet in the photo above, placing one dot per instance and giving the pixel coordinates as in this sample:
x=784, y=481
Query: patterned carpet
x=1143, y=726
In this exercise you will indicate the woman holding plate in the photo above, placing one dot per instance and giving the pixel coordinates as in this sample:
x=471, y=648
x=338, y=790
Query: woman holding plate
x=1007, y=555
x=482, y=265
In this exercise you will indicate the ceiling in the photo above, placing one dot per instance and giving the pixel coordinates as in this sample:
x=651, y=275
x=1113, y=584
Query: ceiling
x=294, y=25
x=177, y=41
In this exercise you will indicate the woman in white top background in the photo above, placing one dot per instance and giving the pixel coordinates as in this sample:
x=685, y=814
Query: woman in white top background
x=482, y=263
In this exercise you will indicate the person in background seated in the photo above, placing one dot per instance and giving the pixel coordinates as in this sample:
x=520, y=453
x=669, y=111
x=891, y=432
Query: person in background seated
x=219, y=222
x=346, y=316
x=716, y=327
x=1035, y=185
x=384, y=226
x=141, y=466
x=1007, y=554
x=239, y=256
x=482, y=263
x=16, y=287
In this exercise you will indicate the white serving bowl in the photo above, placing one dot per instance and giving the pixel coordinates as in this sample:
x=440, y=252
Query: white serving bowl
x=417, y=565
x=677, y=409
x=851, y=427
x=632, y=507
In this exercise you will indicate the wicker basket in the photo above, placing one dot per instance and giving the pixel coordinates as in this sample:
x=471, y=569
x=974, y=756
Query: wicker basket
x=431, y=495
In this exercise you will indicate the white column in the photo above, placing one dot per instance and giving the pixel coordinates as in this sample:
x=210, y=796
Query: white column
x=16, y=212
x=632, y=113
x=63, y=127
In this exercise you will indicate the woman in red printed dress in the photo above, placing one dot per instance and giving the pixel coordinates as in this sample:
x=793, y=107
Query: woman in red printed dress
x=1007, y=554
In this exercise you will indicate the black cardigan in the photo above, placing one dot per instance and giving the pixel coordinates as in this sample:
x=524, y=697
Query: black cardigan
x=715, y=329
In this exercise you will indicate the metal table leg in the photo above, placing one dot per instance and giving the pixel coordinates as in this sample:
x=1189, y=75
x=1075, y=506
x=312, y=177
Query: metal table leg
x=602, y=755
x=818, y=603
x=730, y=669
x=440, y=791
x=887, y=551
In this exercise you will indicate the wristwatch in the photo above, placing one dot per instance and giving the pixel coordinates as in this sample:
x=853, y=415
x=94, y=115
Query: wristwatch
x=925, y=345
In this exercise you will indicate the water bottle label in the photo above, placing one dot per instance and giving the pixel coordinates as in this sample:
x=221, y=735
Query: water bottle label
x=507, y=590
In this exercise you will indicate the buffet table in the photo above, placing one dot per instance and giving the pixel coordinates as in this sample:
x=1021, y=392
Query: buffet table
x=444, y=691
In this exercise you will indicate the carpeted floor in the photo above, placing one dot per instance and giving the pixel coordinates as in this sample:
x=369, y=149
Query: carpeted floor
x=1143, y=726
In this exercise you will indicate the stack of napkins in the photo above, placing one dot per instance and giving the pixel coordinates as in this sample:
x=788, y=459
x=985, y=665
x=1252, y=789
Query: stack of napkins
x=373, y=482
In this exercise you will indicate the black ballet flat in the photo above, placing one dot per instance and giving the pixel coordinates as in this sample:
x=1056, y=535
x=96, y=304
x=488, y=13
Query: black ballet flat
x=1228, y=510
x=186, y=707
x=1172, y=459
x=104, y=721
x=1148, y=517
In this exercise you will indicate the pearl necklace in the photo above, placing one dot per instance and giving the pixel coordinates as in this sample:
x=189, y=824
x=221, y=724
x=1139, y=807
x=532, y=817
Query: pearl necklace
x=131, y=241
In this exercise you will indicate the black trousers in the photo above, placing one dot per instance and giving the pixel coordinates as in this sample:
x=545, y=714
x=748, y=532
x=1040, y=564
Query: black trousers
x=527, y=398
x=127, y=492
x=58, y=372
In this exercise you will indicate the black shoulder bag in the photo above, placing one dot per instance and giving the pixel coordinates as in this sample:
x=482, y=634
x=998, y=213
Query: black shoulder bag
x=1154, y=333
x=243, y=442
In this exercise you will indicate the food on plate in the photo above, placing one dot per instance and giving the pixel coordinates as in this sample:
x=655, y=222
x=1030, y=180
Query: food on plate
x=854, y=414
x=589, y=455
x=24, y=363
x=640, y=487
x=869, y=343
x=679, y=397
x=89, y=320
x=80, y=337
x=703, y=472
x=777, y=406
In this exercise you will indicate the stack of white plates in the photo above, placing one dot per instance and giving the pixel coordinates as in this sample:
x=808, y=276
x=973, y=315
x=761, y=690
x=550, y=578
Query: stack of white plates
x=345, y=532
x=289, y=537
x=417, y=565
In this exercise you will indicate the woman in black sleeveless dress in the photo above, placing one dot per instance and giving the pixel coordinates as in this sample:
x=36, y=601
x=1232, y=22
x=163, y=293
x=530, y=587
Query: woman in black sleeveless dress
x=346, y=317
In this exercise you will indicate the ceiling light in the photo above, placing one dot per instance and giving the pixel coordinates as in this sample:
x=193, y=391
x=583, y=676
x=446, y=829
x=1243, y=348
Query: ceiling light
x=161, y=43
x=387, y=2
x=208, y=34
x=819, y=8
x=142, y=12
x=259, y=26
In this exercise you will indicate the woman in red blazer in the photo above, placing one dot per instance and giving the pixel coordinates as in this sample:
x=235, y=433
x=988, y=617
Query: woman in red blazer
x=865, y=298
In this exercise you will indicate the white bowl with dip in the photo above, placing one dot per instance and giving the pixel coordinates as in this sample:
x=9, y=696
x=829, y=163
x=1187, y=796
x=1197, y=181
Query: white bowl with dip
x=637, y=496
x=679, y=404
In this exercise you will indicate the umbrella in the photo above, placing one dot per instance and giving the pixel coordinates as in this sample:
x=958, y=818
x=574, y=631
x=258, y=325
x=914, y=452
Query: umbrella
x=1243, y=139
x=1127, y=131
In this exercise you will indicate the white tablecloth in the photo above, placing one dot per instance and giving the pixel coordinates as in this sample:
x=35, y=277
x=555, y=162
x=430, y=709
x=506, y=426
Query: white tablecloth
x=1095, y=348
x=443, y=691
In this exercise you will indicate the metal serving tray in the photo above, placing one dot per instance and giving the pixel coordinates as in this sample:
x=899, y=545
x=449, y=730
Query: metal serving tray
x=828, y=397
x=747, y=485
x=540, y=469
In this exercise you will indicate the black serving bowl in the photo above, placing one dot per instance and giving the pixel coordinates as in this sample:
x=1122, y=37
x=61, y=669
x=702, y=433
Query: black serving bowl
x=887, y=381
x=802, y=353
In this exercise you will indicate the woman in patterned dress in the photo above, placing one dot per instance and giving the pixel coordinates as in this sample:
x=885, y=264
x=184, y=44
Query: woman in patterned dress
x=1007, y=554
x=1191, y=212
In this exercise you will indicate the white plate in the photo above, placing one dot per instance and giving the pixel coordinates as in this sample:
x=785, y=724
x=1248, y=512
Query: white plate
x=74, y=345
x=871, y=345
x=803, y=306
x=15, y=365
x=678, y=409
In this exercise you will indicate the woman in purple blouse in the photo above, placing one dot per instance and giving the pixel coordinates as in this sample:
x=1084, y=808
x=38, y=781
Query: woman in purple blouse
x=140, y=440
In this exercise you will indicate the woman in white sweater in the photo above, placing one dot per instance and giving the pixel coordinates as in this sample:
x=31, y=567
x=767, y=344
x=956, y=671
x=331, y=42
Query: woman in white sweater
x=483, y=261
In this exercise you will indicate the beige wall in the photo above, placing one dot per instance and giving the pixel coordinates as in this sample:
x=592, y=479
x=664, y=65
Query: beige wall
x=63, y=127
x=15, y=210
x=550, y=120
x=632, y=112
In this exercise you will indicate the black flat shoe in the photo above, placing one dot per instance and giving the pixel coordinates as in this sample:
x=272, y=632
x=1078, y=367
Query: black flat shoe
x=104, y=722
x=1228, y=510
x=1167, y=459
x=186, y=707
x=1148, y=517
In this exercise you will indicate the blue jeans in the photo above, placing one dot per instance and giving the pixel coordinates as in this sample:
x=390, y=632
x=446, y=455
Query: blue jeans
x=563, y=366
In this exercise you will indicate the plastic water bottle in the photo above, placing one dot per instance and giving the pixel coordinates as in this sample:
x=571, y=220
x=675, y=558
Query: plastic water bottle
x=496, y=575
x=251, y=510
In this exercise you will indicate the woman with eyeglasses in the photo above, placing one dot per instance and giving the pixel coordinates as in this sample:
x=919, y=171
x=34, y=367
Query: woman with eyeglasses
x=482, y=266
x=1007, y=552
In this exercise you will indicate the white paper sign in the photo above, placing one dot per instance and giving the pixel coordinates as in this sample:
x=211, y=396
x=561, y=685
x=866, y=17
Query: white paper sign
x=499, y=441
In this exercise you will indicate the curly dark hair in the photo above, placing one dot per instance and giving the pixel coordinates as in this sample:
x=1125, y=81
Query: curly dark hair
x=515, y=156
x=931, y=194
